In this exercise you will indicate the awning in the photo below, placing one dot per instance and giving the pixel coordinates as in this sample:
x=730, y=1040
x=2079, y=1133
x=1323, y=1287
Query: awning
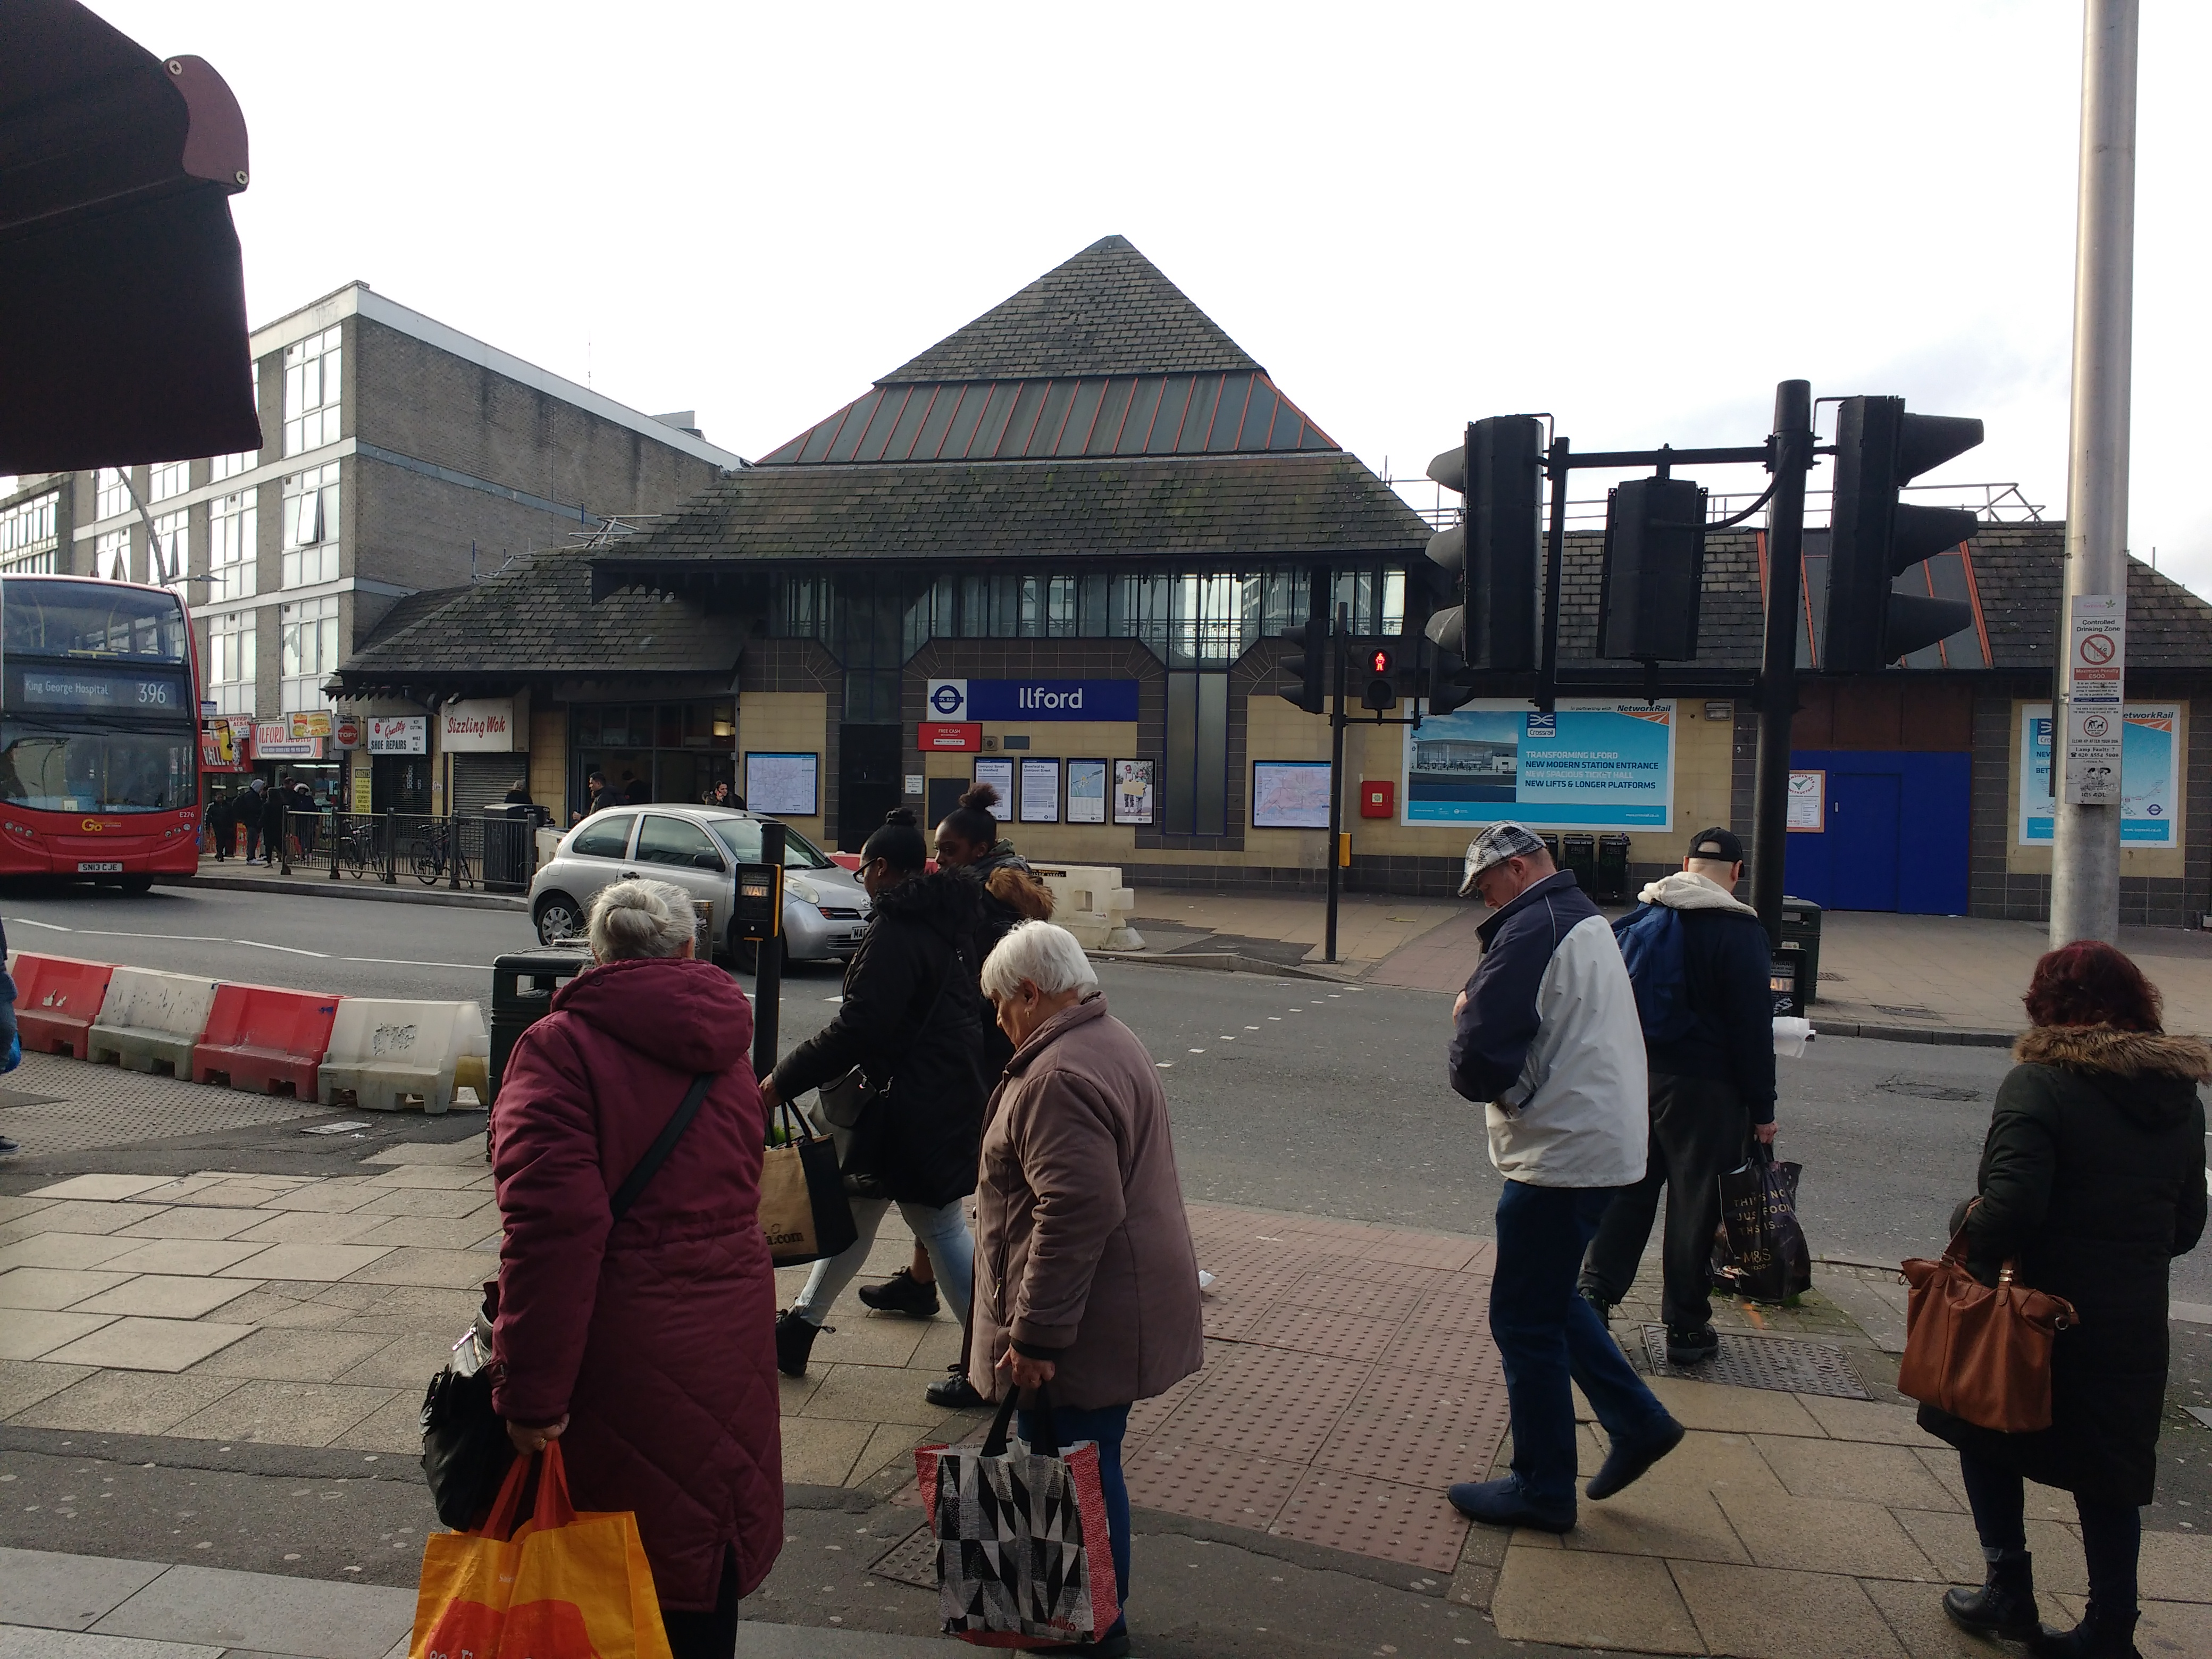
x=120, y=276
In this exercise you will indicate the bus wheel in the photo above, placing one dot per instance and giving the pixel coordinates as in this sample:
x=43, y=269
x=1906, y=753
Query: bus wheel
x=137, y=884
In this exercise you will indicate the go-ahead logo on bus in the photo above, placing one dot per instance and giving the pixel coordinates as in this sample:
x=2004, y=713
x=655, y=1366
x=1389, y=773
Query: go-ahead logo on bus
x=1015, y=701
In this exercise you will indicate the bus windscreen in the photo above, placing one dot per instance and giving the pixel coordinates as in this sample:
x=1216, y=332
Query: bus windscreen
x=67, y=618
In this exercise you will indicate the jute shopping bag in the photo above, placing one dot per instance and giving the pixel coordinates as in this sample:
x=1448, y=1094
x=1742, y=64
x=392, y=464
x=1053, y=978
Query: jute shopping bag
x=803, y=1212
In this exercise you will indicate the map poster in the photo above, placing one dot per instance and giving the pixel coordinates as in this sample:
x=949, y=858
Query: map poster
x=1040, y=791
x=1136, y=782
x=1594, y=763
x=1290, y=794
x=1086, y=792
x=999, y=774
x=2150, y=786
x=783, y=785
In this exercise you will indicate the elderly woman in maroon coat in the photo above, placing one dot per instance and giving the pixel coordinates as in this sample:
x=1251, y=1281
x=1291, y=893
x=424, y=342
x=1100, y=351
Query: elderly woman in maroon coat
x=1086, y=1284
x=647, y=1346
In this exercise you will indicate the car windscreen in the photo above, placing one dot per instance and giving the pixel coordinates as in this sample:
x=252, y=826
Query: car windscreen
x=743, y=837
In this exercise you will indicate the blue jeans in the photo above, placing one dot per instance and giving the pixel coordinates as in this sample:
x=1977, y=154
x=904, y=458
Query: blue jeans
x=1106, y=1425
x=944, y=1233
x=1546, y=1333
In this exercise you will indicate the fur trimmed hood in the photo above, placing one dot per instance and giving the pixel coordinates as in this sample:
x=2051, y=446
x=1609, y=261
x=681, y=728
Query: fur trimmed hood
x=2119, y=1053
x=1685, y=890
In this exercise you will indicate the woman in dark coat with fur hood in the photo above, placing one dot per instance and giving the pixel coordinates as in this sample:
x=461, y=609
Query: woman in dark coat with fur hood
x=912, y=1021
x=2091, y=1180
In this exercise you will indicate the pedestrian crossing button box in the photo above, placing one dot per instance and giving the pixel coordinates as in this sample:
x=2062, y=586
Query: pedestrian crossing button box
x=760, y=901
x=1782, y=979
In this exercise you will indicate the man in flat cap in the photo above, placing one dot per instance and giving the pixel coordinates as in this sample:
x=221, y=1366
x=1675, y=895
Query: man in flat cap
x=1547, y=1035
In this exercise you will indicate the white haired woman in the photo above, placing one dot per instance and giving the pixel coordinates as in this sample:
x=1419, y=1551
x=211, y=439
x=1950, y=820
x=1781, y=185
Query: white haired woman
x=646, y=1344
x=1085, y=1278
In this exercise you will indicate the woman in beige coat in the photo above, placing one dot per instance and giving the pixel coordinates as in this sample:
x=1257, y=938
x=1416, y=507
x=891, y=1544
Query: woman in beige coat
x=1086, y=1284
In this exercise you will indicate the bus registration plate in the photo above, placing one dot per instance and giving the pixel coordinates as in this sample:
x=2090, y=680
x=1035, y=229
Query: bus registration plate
x=102, y=867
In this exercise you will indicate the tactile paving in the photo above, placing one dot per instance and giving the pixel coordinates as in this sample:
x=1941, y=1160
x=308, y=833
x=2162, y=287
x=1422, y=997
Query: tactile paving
x=1339, y=1293
x=1413, y=1524
x=912, y=1560
x=1276, y=1402
x=1428, y=1446
x=1233, y=1488
x=1763, y=1362
x=1312, y=1330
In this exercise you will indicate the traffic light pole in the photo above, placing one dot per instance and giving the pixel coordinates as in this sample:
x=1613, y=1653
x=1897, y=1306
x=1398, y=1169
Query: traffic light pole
x=767, y=967
x=1341, y=647
x=2085, y=853
x=1555, y=555
x=1790, y=459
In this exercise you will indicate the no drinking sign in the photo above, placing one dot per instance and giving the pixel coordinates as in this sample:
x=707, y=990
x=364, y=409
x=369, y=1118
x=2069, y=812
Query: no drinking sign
x=2096, y=670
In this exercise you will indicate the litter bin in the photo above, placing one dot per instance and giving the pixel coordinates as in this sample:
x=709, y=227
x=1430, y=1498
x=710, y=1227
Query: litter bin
x=1551, y=845
x=1581, y=859
x=1801, y=936
x=522, y=987
x=509, y=852
x=1611, y=869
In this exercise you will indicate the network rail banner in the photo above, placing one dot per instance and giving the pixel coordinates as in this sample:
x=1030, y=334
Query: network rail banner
x=2150, y=782
x=1593, y=764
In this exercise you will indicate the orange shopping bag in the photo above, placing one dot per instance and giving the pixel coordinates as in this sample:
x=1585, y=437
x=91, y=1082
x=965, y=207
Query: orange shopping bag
x=559, y=1586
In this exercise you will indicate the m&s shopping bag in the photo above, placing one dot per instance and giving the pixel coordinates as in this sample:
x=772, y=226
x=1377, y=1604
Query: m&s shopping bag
x=1023, y=1558
x=559, y=1586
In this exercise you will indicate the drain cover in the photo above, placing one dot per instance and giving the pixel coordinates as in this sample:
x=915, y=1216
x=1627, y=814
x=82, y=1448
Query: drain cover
x=1763, y=1362
x=913, y=1559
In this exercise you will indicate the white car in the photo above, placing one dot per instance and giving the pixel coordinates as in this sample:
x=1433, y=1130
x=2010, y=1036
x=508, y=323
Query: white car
x=698, y=848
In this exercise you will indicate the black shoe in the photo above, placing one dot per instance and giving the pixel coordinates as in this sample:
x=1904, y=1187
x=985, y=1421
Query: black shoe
x=1688, y=1347
x=794, y=1340
x=2005, y=1604
x=2095, y=1637
x=954, y=1392
x=8, y=1145
x=1116, y=1646
x=1599, y=1305
x=1503, y=1504
x=1627, y=1461
x=902, y=1293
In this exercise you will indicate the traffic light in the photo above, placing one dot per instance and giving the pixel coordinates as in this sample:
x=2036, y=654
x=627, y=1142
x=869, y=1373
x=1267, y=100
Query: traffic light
x=1382, y=691
x=1307, y=663
x=1873, y=539
x=1446, y=692
x=1655, y=561
x=1496, y=548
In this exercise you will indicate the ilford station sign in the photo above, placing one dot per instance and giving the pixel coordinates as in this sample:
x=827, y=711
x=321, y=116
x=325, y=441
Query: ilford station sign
x=1017, y=700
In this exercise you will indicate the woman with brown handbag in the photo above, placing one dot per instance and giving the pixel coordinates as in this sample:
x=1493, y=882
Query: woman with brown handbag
x=2091, y=1180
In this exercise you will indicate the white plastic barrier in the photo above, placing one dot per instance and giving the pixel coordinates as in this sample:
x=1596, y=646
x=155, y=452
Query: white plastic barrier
x=151, y=1021
x=386, y=1055
x=1090, y=902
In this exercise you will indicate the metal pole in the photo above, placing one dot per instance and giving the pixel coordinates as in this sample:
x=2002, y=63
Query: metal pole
x=1339, y=645
x=1792, y=457
x=768, y=969
x=1555, y=543
x=2085, y=853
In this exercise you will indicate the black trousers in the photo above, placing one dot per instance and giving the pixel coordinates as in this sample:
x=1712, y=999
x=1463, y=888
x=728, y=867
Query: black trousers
x=707, y=1635
x=2112, y=1537
x=1698, y=1131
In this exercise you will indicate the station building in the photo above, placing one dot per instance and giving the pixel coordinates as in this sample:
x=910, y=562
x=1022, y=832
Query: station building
x=1053, y=551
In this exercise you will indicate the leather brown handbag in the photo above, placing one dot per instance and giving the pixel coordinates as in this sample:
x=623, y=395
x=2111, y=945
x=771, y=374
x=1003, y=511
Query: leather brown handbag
x=1981, y=1352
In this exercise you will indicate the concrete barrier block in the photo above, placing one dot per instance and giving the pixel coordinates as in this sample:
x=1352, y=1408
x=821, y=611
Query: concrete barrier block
x=151, y=1021
x=57, y=999
x=386, y=1054
x=1090, y=902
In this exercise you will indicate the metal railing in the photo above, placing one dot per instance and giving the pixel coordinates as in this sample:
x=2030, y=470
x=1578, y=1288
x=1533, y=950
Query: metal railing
x=473, y=851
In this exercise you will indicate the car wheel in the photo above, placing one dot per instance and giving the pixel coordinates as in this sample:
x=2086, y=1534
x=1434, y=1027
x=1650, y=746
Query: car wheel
x=559, y=917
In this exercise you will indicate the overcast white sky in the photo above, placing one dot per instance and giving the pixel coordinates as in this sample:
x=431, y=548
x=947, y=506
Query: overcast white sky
x=1638, y=217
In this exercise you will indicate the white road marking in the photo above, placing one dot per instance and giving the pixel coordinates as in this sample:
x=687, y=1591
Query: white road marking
x=132, y=932
x=289, y=949
x=407, y=962
x=51, y=927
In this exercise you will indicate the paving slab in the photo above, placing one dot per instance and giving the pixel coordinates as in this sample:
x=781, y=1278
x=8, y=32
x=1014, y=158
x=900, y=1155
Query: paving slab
x=1618, y=1602
x=821, y=1451
x=134, y=1344
x=128, y=1402
x=165, y=1296
x=1869, y=1419
x=1823, y=1535
x=285, y=1413
x=468, y=1151
x=395, y=1426
x=1682, y=1524
x=186, y=1255
x=67, y=1592
x=54, y=1288
x=1754, y=1614
x=304, y=1226
x=452, y=1270
x=186, y=1222
x=1870, y=1473
x=306, y=1262
x=22, y=1642
x=296, y=1356
x=101, y=1187
x=1950, y=1543
x=266, y=1614
x=871, y=1394
x=64, y=1250
x=1914, y=1615
x=2177, y=1567
x=24, y=1383
x=451, y=1177
x=1739, y=1411
x=29, y=1333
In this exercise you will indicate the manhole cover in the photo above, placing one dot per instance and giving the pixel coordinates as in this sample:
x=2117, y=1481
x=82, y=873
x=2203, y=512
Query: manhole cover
x=1929, y=1088
x=1762, y=1361
x=913, y=1559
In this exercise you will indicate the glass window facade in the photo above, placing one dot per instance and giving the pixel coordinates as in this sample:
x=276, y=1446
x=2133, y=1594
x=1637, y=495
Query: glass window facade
x=30, y=541
x=311, y=528
x=307, y=647
x=173, y=550
x=311, y=382
x=111, y=495
x=234, y=540
x=111, y=556
x=672, y=752
x=230, y=662
x=167, y=479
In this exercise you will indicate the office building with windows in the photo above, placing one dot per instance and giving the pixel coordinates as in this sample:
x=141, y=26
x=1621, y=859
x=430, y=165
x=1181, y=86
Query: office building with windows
x=401, y=457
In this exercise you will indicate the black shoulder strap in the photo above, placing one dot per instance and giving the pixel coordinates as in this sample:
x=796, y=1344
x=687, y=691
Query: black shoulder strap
x=657, y=1154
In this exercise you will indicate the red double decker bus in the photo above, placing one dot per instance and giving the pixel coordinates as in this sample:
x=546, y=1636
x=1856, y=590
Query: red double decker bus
x=98, y=731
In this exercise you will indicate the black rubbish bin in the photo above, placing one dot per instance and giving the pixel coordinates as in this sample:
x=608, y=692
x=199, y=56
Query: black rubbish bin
x=508, y=862
x=522, y=987
x=1611, y=869
x=1581, y=859
x=1801, y=936
x=1551, y=845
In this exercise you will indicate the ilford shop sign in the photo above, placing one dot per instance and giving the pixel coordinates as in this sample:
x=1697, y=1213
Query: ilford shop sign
x=1016, y=702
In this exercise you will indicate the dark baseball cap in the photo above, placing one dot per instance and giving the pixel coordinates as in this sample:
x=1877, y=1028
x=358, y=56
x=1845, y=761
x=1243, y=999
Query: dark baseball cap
x=1717, y=844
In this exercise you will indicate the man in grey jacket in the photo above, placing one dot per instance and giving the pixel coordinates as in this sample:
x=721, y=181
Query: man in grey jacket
x=1546, y=1033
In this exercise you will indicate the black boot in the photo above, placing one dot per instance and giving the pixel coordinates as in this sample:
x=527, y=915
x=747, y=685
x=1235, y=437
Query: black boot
x=794, y=1340
x=902, y=1293
x=2099, y=1636
x=2005, y=1604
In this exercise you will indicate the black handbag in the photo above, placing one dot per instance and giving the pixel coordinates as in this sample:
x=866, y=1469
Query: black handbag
x=466, y=1450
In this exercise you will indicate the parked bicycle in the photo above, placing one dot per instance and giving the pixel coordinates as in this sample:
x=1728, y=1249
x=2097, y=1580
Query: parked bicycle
x=435, y=847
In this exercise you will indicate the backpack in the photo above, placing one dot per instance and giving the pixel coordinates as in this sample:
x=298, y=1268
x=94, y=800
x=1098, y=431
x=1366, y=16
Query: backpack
x=1650, y=940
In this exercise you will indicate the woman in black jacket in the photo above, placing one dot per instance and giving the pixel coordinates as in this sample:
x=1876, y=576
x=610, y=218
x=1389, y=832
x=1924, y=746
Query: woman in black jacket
x=2091, y=1180
x=912, y=1021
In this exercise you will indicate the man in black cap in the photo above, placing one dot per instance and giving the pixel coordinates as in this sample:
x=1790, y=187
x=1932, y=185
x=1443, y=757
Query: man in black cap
x=1698, y=959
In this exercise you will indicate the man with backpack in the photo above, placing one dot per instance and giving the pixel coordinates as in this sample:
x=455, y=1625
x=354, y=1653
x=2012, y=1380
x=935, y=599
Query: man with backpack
x=1699, y=960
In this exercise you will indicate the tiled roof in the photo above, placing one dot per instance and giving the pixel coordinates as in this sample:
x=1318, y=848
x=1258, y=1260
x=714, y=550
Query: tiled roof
x=1304, y=505
x=410, y=609
x=537, y=617
x=1108, y=310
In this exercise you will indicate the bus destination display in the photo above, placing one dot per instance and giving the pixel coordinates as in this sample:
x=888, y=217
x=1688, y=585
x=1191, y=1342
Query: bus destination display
x=88, y=689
